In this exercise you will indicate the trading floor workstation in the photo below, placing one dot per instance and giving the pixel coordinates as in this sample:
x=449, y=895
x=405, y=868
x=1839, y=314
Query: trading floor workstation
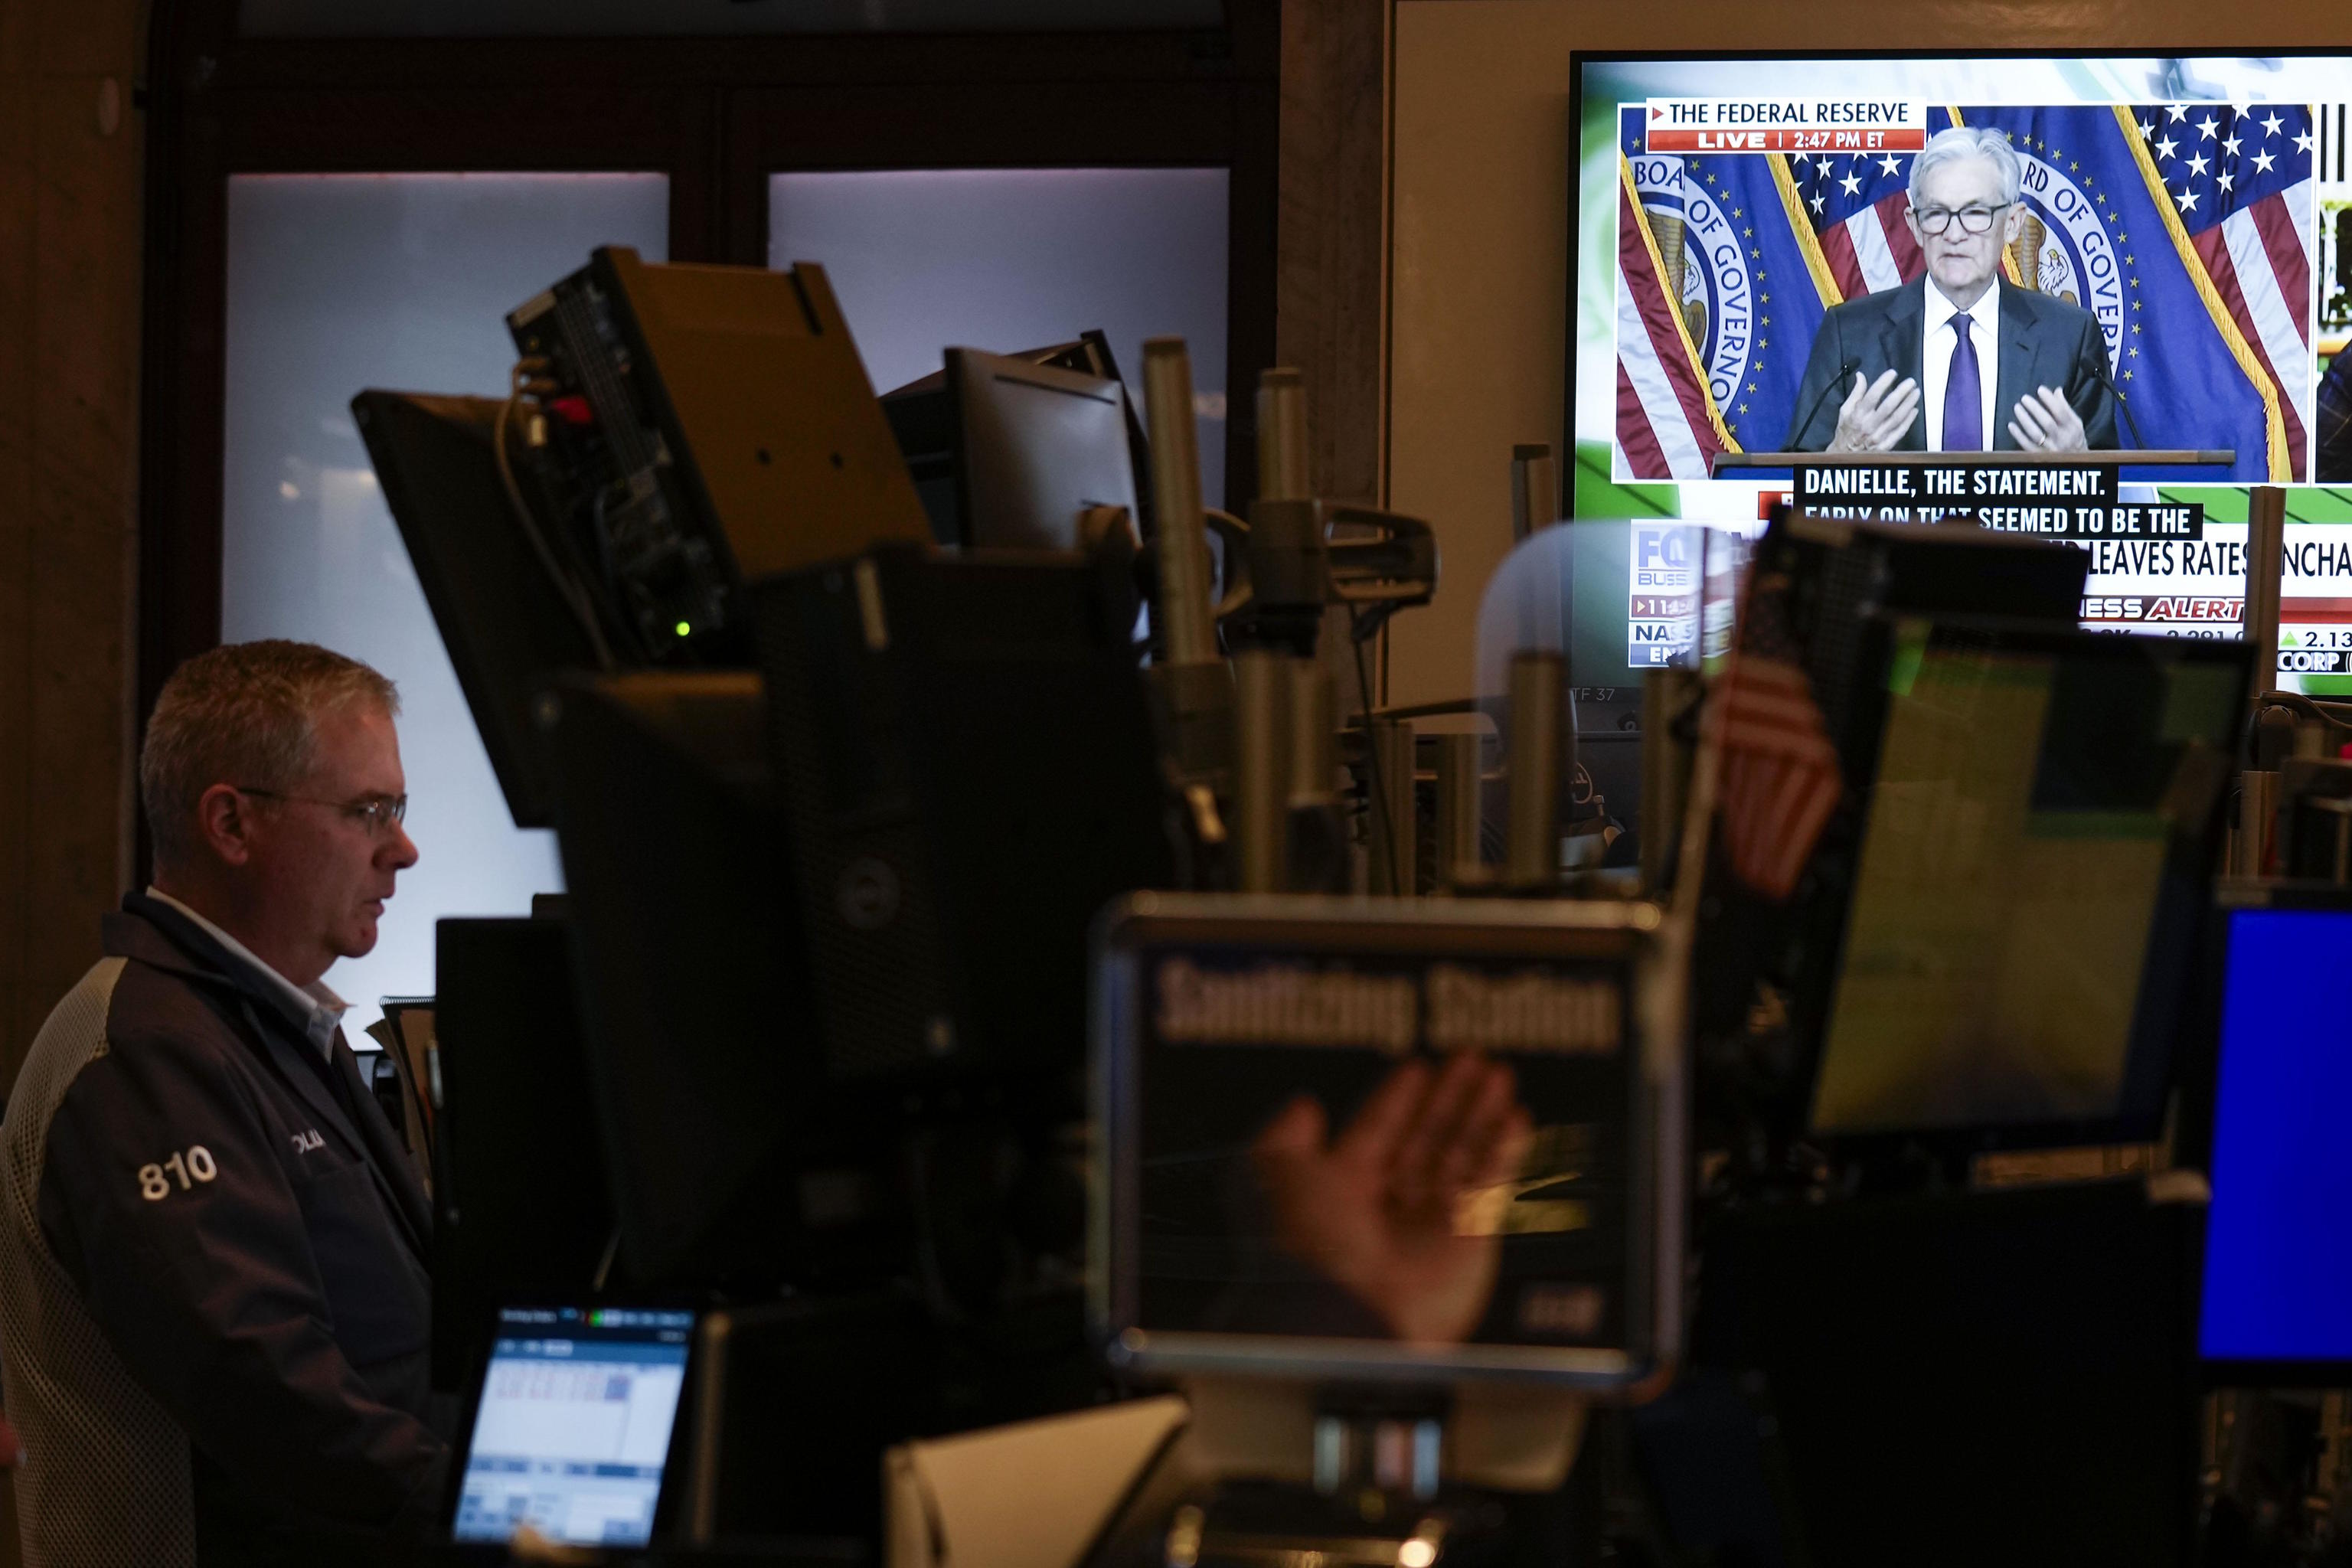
x=1176, y=783
x=1043, y=1069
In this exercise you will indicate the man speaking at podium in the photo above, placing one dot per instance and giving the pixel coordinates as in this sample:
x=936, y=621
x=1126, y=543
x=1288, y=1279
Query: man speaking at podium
x=1959, y=359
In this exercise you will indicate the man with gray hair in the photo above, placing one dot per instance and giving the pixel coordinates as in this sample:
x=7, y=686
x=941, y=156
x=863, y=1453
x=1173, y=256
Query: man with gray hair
x=1959, y=359
x=213, y=1298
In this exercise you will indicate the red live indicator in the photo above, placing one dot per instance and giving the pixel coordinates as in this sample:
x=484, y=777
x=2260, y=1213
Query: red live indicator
x=1781, y=139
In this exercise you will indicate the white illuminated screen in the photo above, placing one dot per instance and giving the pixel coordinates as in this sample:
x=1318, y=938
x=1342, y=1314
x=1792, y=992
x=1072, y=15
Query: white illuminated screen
x=338, y=283
x=572, y=1437
x=1005, y=260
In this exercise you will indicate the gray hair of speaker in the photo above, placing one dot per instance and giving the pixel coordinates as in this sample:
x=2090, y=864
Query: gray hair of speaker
x=1971, y=142
x=246, y=715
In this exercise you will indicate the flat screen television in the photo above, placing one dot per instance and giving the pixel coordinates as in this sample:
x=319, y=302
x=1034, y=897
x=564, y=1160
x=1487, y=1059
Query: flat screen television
x=1747, y=241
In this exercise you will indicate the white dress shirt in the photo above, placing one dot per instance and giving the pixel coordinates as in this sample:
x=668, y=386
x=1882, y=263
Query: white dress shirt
x=1936, y=357
x=318, y=1010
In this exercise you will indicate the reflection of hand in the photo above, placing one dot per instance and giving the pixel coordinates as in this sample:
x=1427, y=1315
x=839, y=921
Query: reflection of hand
x=1373, y=1209
x=1875, y=414
x=2045, y=422
x=12, y=1452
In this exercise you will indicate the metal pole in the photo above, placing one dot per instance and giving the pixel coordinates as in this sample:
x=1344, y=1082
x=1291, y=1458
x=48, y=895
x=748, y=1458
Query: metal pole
x=2250, y=842
x=1318, y=833
x=1666, y=695
x=1392, y=823
x=1537, y=683
x=2265, y=561
x=1282, y=436
x=1314, y=734
x=1262, y=781
x=1461, y=762
x=1181, y=542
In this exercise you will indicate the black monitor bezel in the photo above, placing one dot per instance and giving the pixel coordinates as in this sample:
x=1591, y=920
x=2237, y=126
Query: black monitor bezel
x=2176, y=938
x=459, y=571
x=1578, y=60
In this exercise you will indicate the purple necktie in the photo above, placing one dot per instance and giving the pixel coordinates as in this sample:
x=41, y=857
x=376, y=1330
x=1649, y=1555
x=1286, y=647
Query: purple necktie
x=1963, y=395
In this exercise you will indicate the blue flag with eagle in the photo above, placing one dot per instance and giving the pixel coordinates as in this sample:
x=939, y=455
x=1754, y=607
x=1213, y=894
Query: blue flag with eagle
x=2187, y=231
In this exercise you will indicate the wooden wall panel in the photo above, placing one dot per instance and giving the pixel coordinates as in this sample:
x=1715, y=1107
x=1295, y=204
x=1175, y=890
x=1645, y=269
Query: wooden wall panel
x=1331, y=281
x=17, y=398
x=69, y=269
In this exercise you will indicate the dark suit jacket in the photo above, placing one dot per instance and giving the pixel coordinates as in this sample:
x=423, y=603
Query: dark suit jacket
x=2044, y=342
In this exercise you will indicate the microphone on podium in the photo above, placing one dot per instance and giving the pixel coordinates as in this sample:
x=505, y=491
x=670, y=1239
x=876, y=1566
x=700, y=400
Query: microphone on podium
x=1797, y=431
x=2099, y=368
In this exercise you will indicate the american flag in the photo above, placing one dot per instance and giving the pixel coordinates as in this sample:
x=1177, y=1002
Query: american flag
x=1663, y=421
x=1780, y=778
x=2240, y=180
x=1856, y=204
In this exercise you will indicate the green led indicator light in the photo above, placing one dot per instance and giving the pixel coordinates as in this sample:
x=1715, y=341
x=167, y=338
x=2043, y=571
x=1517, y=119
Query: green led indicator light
x=684, y=630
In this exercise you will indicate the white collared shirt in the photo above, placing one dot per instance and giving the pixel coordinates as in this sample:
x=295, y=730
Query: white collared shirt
x=1935, y=358
x=316, y=1007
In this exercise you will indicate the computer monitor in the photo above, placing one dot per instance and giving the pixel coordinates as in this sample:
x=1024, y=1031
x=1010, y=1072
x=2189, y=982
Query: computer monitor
x=1965, y=1377
x=694, y=993
x=510, y=1079
x=1037, y=446
x=508, y=624
x=965, y=761
x=707, y=427
x=821, y=913
x=925, y=423
x=2277, y=1286
x=2035, y=839
x=574, y=1427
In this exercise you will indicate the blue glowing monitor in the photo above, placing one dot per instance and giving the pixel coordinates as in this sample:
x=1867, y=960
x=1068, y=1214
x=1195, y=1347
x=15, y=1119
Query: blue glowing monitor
x=2278, y=1250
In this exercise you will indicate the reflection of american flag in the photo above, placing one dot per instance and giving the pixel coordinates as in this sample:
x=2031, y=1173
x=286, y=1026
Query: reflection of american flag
x=2240, y=180
x=1781, y=779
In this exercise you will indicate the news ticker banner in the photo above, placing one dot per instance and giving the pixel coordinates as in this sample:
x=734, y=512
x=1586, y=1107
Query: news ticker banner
x=2078, y=501
x=2196, y=588
x=1785, y=125
x=2162, y=567
x=2160, y=582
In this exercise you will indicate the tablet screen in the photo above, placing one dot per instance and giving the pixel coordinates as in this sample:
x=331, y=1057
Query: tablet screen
x=572, y=1430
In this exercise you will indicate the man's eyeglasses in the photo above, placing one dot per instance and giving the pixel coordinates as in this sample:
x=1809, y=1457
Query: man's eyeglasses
x=379, y=814
x=1973, y=219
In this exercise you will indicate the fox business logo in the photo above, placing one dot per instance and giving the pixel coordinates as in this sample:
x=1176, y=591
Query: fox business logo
x=1663, y=559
